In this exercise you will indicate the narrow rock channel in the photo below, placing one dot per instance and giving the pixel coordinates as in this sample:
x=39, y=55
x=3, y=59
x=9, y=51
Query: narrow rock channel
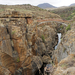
x=45, y=66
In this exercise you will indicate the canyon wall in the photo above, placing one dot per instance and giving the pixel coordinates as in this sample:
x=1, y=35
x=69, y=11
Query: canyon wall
x=25, y=45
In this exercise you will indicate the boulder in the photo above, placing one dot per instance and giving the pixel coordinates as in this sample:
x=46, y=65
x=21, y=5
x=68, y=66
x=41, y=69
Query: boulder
x=36, y=63
x=46, y=59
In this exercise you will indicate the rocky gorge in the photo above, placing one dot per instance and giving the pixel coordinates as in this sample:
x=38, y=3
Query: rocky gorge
x=27, y=44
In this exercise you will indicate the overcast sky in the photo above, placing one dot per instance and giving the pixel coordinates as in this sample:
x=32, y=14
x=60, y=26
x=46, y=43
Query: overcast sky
x=56, y=3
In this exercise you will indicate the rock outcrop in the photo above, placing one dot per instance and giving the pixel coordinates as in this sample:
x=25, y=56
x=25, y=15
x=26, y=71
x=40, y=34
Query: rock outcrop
x=66, y=66
x=16, y=54
x=67, y=45
x=64, y=56
x=25, y=45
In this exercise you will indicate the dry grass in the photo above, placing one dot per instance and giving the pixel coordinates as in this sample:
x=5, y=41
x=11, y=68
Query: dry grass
x=34, y=10
x=66, y=13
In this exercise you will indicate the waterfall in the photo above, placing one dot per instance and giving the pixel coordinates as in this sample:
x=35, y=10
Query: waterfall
x=59, y=40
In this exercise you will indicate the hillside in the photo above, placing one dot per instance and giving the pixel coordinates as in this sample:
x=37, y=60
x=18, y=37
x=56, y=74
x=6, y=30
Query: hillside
x=66, y=13
x=27, y=8
x=46, y=5
x=72, y=4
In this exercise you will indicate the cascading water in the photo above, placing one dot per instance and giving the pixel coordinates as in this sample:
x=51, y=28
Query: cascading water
x=59, y=39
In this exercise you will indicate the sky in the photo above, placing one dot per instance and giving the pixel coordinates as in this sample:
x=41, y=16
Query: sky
x=56, y=3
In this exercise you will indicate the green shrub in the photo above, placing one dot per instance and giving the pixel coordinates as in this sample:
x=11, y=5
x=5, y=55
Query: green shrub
x=61, y=26
x=63, y=65
x=68, y=27
x=1, y=9
x=40, y=9
x=62, y=15
x=13, y=32
x=43, y=38
x=71, y=16
x=61, y=39
x=53, y=11
x=18, y=60
x=28, y=4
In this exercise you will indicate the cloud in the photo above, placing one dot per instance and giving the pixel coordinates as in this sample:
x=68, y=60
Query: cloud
x=34, y=2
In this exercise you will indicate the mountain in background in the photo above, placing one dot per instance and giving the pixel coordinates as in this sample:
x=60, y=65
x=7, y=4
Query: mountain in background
x=72, y=4
x=46, y=5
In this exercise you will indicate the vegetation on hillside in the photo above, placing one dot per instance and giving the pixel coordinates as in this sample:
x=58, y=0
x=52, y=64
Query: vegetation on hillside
x=36, y=12
x=43, y=38
x=68, y=27
x=66, y=13
x=18, y=60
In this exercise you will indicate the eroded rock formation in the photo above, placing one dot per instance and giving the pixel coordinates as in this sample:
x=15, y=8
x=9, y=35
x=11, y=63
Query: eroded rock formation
x=67, y=45
x=66, y=66
x=64, y=56
x=16, y=53
x=24, y=46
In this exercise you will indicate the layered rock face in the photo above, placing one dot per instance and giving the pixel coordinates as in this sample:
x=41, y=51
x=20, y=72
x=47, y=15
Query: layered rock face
x=24, y=45
x=16, y=55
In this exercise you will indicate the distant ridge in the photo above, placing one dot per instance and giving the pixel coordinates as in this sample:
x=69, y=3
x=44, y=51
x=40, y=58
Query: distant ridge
x=72, y=4
x=46, y=5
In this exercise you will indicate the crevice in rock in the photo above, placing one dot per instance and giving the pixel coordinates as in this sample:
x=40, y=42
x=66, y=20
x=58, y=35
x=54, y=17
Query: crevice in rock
x=37, y=73
x=50, y=54
x=12, y=45
x=41, y=71
x=7, y=29
x=42, y=68
x=26, y=19
x=43, y=54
